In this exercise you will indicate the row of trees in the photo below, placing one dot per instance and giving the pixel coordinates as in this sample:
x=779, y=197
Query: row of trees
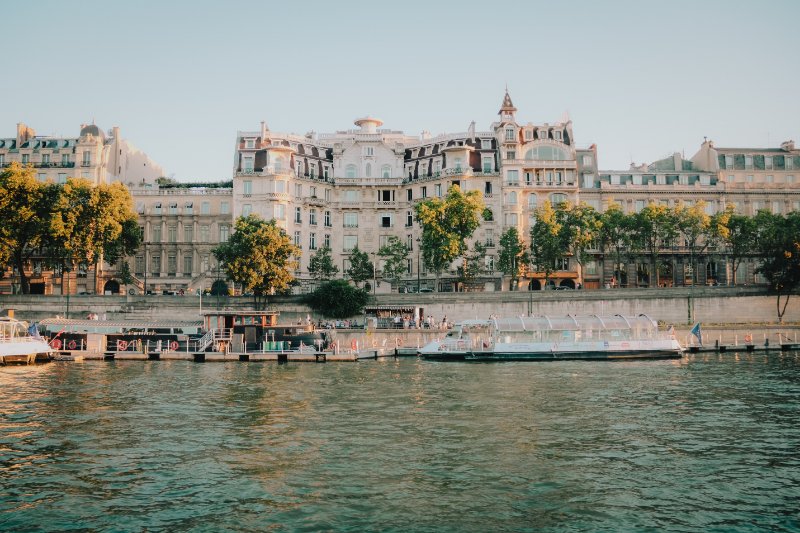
x=63, y=225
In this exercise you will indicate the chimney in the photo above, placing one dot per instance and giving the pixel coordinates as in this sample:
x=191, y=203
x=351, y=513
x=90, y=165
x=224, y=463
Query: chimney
x=24, y=133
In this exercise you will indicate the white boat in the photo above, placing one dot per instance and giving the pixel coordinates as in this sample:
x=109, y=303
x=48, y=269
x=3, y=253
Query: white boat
x=18, y=346
x=545, y=338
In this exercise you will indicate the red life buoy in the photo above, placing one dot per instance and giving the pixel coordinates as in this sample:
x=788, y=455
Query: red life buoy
x=354, y=345
x=122, y=345
x=173, y=346
x=56, y=344
x=748, y=338
x=72, y=344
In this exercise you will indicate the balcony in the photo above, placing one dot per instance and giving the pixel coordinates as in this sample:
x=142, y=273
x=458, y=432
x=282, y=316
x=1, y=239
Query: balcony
x=86, y=163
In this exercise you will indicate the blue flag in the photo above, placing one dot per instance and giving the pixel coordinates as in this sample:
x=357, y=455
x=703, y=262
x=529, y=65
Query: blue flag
x=697, y=333
x=33, y=331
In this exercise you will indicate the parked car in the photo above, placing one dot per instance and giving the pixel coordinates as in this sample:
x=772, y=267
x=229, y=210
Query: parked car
x=425, y=289
x=562, y=288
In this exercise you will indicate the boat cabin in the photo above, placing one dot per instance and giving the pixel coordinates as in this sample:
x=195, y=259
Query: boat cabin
x=257, y=327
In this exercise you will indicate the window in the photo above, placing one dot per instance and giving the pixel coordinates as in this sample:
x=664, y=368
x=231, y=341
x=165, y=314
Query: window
x=487, y=188
x=730, y=178
x=511, y=154
x=556, y=135
x=424, y=192
x=204, y=263
x=368, y=170
x=488, y=163
x=386, y=221
x=587, y=161
x=512, y=177
x=511, y=198
x=172, y=264
x=767, y=162
x=369, y=151
x=789, y=179
x=87, y=158
x=533, y=201
x=486, y=144
x=383, y=240
x=489, y=232
x=188, y=232
x=349, y=242
x=312, y=192
x=770, y=178
x=26, y=158
x=65, y=159
x=350, y=220
x=312, y=241
x=328, y=219
x=280, y=186
x=156, y=233
x=224, y=208
x=312, y=217
x=639, y=205
x=172, y=233
x=249, y=143
x=157, y=209
x=155, y=264
x=756, y=207
x=187, y=209
x=62, y=177
x=248, y=165
x=749, y=178
x=204, y=233
x=2, y=159
x=187, y=263
x=789, y=165
x=409, y=219
x=509, y=134
x=298, y=215
x=247, y=209
x=410, y=242
x=247, y=187
x=588, y=181
x=326, y=240
x=279, y=211
x=528, y=135
x=327, y=195
x=352, y=196
x=224, y=232
x=41, y=176
x=557, y=198
x=45, y=159
x=205, y=208
x=298, y=239
x=173, y=209
x=511, y=219
x=386, y=171
x=776, y=207
x=748, y=161
x=350, y=171
x=438, y=190
x=298, y=190
x=728, y=161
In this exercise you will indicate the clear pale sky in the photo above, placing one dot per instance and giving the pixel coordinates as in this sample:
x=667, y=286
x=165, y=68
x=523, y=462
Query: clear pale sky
x=640, y=79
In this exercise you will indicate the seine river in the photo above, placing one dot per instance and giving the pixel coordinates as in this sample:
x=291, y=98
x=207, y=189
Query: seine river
x=708, y=443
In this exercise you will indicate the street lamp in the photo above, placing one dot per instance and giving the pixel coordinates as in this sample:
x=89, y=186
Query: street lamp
x=145, y=268
x=374, y=273
x=418, y=252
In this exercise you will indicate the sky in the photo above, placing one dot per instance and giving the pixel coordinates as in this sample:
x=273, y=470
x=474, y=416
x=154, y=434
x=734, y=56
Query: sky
x=640, y=79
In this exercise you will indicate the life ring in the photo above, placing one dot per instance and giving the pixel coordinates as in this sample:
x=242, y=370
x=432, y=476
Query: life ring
x=748, y=338
x=122, y=345
x=72, y=344
x=173, y=346
x=398, y=341
x=354, y=345
x=55, y=344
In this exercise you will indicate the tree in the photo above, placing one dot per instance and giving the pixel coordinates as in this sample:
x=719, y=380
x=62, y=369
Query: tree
x=739, y=239
x=474, y=263
x=446, y=225
x=580, y=228
x=124, y=274
x=260, y=256
x=513, y=257
x=394, y=254
x=219, y=288
x=547, y=244
x=779, y=248
x=361, y=268
x=693, y=224
x=615, y=235
x=24, y=215
x=321, y=265
x=654, y=227
x=337, y=299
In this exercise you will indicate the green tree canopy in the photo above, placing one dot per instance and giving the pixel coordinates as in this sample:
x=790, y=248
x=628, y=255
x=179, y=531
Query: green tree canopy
x=616, y=233
x=361, y=268
x=694, y=226
x=321, y=265
x=547, y=243
x=446, y=225
x=24, y=217
x=654, y=228
x=337, y=299
x=260, y=256
x=580, y=229
x=739, y=238
x=394, y=254
x=513, y=256
x=779, y=247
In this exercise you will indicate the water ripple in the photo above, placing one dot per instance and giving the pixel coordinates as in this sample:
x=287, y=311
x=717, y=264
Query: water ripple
x=707, y=443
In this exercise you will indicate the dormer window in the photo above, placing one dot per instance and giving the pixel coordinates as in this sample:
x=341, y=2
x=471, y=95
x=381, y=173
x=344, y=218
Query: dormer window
x=528, y=135
x=557, y=135
x=486, y=144
x=509, y=134
x=250, y=143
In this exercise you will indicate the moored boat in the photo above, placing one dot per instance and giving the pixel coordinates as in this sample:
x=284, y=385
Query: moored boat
x=545, y=338
x=18, y=345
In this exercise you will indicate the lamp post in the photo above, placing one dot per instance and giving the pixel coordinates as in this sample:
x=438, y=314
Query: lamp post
x=200, y=294
x=374, y=273
x=145, y=268
x=418, y=252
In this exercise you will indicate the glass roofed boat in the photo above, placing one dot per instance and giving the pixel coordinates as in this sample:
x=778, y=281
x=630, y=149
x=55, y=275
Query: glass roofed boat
x=551, y=338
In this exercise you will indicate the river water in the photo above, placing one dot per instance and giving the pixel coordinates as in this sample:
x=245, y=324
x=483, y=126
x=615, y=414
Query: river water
x=705, y=443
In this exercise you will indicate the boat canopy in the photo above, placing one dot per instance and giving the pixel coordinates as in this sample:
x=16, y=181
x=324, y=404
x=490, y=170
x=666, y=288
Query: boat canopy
x=575, y=323
x=74, y=325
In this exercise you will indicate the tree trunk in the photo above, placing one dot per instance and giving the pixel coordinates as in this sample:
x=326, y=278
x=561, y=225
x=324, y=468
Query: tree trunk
x=19, y=261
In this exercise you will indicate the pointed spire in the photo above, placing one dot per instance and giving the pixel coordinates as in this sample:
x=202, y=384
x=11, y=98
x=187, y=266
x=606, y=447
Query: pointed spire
x=508, y=106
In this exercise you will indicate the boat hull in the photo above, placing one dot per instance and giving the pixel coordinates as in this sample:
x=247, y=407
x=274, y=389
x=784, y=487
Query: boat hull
x=551, y=356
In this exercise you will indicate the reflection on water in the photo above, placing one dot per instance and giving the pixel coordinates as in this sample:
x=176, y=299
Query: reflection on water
x=709, y=442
